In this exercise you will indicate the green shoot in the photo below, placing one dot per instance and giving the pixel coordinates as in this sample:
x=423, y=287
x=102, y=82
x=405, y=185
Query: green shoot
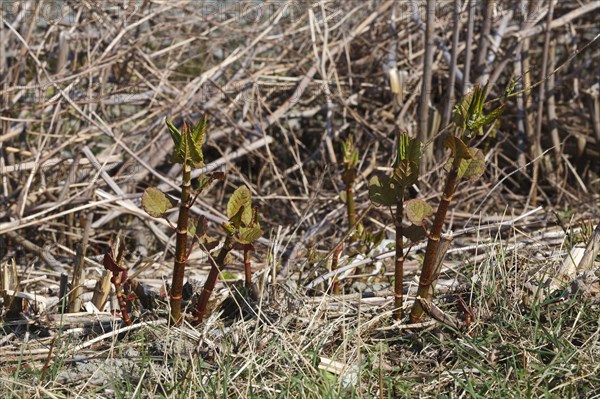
x=242, y=231
x=187, y=151
x=466, y=163
x=390, y=191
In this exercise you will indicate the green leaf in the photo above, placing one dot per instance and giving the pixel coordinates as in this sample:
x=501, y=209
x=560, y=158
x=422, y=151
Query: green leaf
x=417, y=210
x=382, y=190
x=175, y=133
x=350, y=153
x=240, y=202
x=188, y=143
x=487, y=119
x=199, y=133
x=247, y=235
x=461, y=110
x=203, y=181
x=229, y=227
x=406, y=164
x=472, y=168
x=476, y=165
x=406, y=173
x=458, y=148
x=407, y=149
x=193, y=151
x=155, y=202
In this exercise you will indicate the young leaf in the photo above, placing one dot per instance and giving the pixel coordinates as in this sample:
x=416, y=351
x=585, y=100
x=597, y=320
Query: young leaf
x=199, y=133
x=487, y=119
x=407, y=149
x=188, y=143
x=175, y=133
x=204, y=181
x=471, y=168
x=461, y=110
x=240, y=199
x=191, y=151
x=458, y=148
x=236, y=220
x=382, y=191
x=406, y=173
x=350, y=153
x=247, y=235
x=475, y=167
x=377, y=238
x=417, y=210
x=155, y=202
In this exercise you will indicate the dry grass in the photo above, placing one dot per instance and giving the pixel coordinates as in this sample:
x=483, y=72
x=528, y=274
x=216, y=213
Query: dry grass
x=85, y=89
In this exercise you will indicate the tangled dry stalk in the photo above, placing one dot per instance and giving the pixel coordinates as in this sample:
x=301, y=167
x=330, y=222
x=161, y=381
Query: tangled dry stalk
x=86, y=87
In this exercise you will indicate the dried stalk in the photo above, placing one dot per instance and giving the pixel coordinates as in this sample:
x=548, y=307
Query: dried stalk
x=79, y=268
x=426, y=83
x=537, y=138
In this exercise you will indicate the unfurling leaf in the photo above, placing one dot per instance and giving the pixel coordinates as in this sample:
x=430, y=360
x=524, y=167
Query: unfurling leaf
x=155, y=202
x=406, y=164
x=470, y=108
x=406, y=173
x=476, y=165
x=188, y=143
x=407, y=149
x=458, y=148
x=114, y=257
x=204, y=181
x=240, y=203
x=470, y=169
x=236, y=220
x=382, y=190
x=229, y=227
x=199, y=133
x=461, y=110
x=175, y=133
x=487, y=119
x=417, y=210
x=350, y=153
x=247, y=235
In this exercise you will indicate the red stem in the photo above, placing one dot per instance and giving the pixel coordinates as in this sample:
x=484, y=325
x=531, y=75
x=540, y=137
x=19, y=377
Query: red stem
x=181, y=247
x=427, y=274
x=211, y=281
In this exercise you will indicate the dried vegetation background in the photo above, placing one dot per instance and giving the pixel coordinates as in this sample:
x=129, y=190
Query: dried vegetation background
x=85, y=88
